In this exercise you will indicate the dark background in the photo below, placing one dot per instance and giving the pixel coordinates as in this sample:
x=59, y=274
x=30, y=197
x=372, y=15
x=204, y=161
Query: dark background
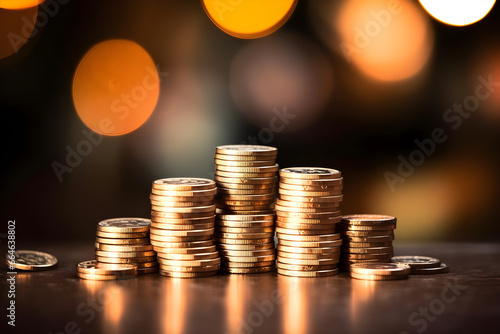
x=359, y=126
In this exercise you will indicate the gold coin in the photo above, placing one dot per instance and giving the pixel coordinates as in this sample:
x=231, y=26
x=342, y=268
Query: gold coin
x=334, y=205
x=245, y=175
x=228, y=235
x=370, y=277
x=190, y=269
x=124, y=248
x=320, y=244
x=183, y=221
x=243, y=158
x=365, y=227
x=354, y=256
x=245, y=163
x=305, y=187
x=245, y=217
x=228, y=264
x=185, y=193
x=94, y=277
x=243, y=241
x=324, y=199
x=190, y=250
x=142, y=265
x=170, y=204
x=180, y=233
x=230, y=223
x=112, y=235
x=30, y=260
x=163, y=226
x=188, y=244
x=246, y=198
x=368, y=233
x=390, y=269
x=177, y=274
x=190, y=263
x=223, y=247
x=308, y=250
x=306, y=262
x=145, y=271
x=302, y=193
x=369, y=219
x=269, y=187
x=239, y=169
x=246, y=180
x=247, y=253
x=247, y=150
x=306, y=256
x=178, y=215
x=124, y=255
x=262, y=258
x=245, y=229
x=167, y=239
x=305, y=232
x=308, y=238
x=351, y=244
x=120, y=260
x=309, y=173
x=230, y=203
x=243, y=209
x=374, y=239
x=305, y=210
x=304, y=226
x=94, y=268
x=286, y=266
x=165, y=197
x=317, y=215
x=124, y=225
x=183, y=184
x=349, y=262
x=228, y=191
x=131, y=241
x=195, y=209
x=312, y=183
x=188, y=257
x=316, y=221
x=417, y=261
x=249, y=270
x=314, y=273
x=367, y=250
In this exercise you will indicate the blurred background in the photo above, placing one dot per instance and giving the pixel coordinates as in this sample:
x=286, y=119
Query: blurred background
x=406, y=106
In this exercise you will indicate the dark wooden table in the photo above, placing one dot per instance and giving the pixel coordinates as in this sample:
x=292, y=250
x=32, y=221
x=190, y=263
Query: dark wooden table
x=465, y=300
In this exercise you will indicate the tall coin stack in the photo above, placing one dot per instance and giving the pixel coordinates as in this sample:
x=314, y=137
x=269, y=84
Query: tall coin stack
x=182, y=226
x=366, y=238
x=246, y=177
x=307, y=212
x=126, y=241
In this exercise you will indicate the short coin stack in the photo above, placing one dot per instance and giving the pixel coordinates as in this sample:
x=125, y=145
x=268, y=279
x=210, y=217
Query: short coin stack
x=366, y=238
x=182, y=226
x=93, y=270
x=307, y=213
x=422, y=265
x=379, y=271
x=246, y=177
x=125, y=241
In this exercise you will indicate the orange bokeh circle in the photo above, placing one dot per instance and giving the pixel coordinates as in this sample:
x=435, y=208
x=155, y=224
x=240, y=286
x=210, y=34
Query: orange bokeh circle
x=19, y=4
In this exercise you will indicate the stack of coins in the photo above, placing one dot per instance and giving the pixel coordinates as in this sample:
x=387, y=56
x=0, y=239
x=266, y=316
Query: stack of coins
x=93, y=270
x=125, y=241
x=246, y=243
x=379, y=271
x=246, y=177
x=182, y=226
x=366, y=238
x=307, y=213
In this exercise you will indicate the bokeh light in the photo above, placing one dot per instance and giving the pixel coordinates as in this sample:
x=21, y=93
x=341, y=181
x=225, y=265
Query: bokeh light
x=282, y=71
x=458, y=12
x=16, y=29
x=249, y=19
x=116, y=87
x=19, y=4
x=386, y=41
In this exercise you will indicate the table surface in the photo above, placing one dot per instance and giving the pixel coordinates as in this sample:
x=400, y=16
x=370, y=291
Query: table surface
x=462, y=301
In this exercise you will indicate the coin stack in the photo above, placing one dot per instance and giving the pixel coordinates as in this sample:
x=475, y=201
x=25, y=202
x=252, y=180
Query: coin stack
x=366, y=238
x=182, y=226
x=246, y=177
x=422, y=265
x=307, y=213
x=373, y=271
x=93, y=270
x=125, y=241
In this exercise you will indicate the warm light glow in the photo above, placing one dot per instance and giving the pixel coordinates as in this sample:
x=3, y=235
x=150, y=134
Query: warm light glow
x=113, y=308
x=236, y=294
x=387, y=41
x=249, y=19
x=174, y=308
x=282, y=71
x=295, y=307
x=19, y=4
x=15, y=29
x=458, y=12
x=116, y=87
